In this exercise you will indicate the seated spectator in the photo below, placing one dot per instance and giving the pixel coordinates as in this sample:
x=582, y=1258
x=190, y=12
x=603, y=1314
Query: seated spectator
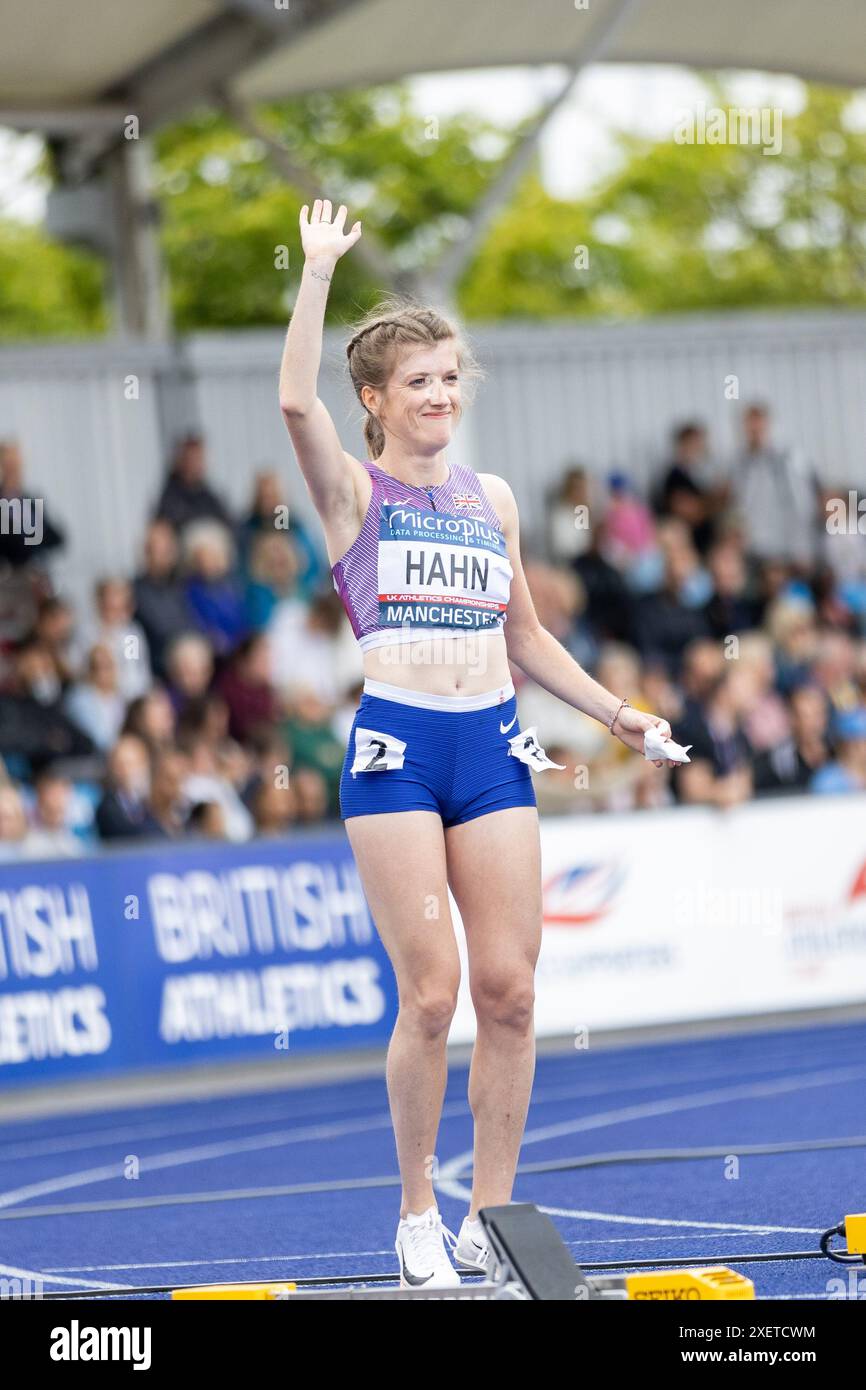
x=114, y=627
x=791, y=764
x=273, y=575
x=123, y=814
x=630, y=533
x=833, y=668
x=731, y=608
x=206, y=716
x=21, y=592
x=95, y=704
x=189, y=662
x=766, y=719
x=311, y=795
x=570, y=517
x=245, y=685
x=661, y=695
x=702, y=665
x=270, y=759
x=55, y=629
x=274, y=808
x=34, y=728
x=792, y=629
x=186, y=497
x=831, y=606
x=614, y=772
x=609, y=603
x=207, y=819
x=50, y=835
x=13, y=824
x=676, y=549
x=720, y=771
x=560, y=602
x=860, y=671
x=160, y=593
x=847, y=770
x=213, y=593
x=152, y=720
x=317, y=641
x=206, y=783
x=665, y=622
x=167, y=806
x=773, y=580
x=235, y=765
x=308, y=732
x=271, y=514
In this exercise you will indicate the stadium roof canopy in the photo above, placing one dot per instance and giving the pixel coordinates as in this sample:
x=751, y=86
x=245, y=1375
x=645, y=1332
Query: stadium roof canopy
x=72, y=66
x=77, y=71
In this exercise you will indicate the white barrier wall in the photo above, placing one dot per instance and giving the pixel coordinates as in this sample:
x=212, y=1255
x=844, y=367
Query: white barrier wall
x=696, y=914
x=604, y=393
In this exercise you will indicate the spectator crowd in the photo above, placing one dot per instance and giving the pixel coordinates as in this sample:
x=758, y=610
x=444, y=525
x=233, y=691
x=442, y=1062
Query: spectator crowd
x=212, y=692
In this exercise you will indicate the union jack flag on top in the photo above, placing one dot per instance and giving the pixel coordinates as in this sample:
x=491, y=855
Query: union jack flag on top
x=466, y=499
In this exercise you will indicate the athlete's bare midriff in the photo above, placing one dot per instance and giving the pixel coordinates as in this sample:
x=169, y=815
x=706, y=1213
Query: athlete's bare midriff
x=469, y=664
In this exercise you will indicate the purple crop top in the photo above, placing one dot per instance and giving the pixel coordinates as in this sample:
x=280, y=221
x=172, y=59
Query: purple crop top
x=427, y=562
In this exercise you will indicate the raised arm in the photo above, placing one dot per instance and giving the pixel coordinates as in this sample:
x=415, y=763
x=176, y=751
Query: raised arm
x=327, y=469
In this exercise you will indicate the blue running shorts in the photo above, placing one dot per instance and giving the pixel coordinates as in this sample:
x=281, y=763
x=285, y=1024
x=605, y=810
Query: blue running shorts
x=409, y=751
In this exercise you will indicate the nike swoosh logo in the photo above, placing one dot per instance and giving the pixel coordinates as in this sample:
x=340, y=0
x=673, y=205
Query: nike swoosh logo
x=503, y=728
x=413, y=1279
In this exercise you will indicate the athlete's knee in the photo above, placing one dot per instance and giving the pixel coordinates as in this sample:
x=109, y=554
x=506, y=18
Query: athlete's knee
x=430, y=1009
x=504, y=996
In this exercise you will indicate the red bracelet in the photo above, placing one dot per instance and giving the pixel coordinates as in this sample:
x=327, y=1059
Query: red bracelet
x=622, y=702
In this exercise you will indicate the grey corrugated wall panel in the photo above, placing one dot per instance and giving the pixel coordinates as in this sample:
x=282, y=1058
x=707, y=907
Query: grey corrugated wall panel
x=93, y=455
x=604, y=394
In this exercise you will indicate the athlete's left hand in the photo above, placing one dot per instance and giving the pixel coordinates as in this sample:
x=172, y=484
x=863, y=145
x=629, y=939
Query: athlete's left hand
x=631, y=725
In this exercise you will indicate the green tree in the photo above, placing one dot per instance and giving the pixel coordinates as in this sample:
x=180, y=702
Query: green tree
x=675, y=227
x=681, y=227
x=47, y=290
x=226, y=210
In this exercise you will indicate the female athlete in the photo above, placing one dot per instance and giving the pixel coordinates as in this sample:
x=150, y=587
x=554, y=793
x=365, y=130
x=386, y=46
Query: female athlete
x=436, y=787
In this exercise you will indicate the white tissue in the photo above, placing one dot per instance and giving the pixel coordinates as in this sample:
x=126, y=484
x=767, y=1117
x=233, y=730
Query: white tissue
x=656, y=747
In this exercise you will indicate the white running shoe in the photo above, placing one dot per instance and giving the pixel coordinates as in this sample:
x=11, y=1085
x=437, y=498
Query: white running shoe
x=473, y=1248
x=421, y=1250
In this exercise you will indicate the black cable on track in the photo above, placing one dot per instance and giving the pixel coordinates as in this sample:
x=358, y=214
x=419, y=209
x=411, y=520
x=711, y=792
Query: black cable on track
x=342, y=1280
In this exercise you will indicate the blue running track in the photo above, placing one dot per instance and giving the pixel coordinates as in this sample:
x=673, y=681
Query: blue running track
x=303, y=1183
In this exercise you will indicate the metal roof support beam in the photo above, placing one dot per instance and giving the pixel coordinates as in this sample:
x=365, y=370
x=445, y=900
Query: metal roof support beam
x=370, y=251
x=453, y=261
x=140, y=286
x=67, y=120
x=207, y=59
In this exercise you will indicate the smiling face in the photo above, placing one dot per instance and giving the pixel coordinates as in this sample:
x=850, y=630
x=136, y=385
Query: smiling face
x=421, y=403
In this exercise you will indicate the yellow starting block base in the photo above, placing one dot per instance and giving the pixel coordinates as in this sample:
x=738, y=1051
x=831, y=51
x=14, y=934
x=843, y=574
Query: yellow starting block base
x=662, y=1285
x=255, y=1292
x=689, y=1284
x=855, y=1234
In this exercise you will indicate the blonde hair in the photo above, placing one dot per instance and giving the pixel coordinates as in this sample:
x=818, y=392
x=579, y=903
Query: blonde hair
x=396, y=322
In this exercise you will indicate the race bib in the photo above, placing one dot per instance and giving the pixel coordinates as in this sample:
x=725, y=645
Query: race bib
x=436, y=569
x=376, y=752
x=526, y=747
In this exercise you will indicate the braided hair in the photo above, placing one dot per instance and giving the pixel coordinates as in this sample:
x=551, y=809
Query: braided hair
x=373, y=351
